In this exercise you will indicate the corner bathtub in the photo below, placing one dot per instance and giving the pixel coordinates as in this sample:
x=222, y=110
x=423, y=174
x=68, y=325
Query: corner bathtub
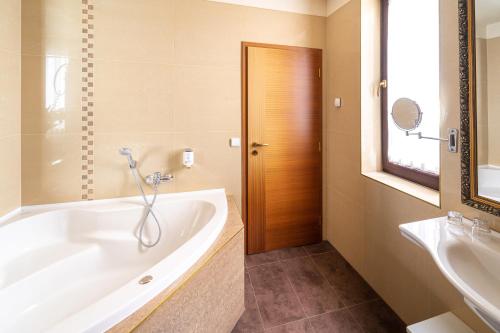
x=75, y=267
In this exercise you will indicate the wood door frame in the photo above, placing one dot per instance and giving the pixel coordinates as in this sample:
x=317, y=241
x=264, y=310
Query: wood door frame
x=244, y=126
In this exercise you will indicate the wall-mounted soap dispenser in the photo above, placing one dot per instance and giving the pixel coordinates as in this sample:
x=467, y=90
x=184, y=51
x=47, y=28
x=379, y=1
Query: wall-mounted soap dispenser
x=188, y=157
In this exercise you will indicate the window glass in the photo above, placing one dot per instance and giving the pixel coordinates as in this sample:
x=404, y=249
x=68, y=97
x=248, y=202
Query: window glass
x=412, y=64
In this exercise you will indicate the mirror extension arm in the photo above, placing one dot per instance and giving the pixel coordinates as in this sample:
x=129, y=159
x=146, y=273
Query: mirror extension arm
x=452, y=138
x=420, y=136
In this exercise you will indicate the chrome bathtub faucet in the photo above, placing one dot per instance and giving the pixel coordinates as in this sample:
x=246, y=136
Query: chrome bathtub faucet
x=156, y=178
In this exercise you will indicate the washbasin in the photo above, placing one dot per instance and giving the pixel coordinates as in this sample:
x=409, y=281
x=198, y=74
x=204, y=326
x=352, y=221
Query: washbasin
x=471, y=264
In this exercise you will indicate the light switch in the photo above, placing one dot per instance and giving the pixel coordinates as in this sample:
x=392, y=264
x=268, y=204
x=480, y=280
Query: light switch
x=337, y=102
x=235, y=142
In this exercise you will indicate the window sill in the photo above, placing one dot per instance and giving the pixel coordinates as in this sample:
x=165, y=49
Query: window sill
x=418, y=191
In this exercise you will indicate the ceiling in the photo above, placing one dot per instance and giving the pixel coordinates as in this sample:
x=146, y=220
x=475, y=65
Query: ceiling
x=309, y=7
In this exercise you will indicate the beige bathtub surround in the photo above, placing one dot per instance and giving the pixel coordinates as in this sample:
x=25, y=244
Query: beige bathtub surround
x=10, y=175
x=45, y=113
x=51, y=27
x=49, y=168
x=211, y=302
x=363, y=218
x=135, y=97
x=51, y=108
x=10, y=105
x=10, y=93
x=10, y=26
x=207, y=298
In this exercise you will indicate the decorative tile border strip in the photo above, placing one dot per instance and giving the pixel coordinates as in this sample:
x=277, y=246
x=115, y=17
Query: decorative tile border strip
x=87, y=100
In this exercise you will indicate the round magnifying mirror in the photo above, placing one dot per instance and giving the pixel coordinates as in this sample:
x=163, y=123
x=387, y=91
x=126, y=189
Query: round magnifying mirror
x=406, y=114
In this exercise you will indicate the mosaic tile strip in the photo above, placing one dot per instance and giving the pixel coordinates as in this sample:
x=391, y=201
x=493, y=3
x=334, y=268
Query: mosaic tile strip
x=87, y=100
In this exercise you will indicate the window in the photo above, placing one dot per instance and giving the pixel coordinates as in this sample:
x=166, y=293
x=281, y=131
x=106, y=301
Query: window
x=410, y=64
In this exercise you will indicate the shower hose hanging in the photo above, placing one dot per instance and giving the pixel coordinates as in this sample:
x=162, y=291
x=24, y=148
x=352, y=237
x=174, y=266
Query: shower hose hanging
x=154, y=180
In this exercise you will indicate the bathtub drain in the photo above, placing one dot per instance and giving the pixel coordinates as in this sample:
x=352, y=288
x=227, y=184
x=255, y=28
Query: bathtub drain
x=146, y=279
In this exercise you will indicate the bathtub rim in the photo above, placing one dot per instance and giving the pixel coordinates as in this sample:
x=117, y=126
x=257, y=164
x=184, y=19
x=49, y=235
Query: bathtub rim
x=30, y=210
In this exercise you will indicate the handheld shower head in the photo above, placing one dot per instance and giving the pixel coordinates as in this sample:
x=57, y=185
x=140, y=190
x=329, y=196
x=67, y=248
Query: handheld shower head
x=128, y=153
x=125, y=151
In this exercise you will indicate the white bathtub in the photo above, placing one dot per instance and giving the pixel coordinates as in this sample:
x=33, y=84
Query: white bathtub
x=75, y=267
x=489, y=182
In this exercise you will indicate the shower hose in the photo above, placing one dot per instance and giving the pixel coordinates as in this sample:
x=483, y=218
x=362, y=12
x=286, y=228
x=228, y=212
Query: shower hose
x=149, y=211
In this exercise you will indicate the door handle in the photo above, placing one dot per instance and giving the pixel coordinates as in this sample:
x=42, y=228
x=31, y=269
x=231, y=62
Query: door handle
x=257, y=145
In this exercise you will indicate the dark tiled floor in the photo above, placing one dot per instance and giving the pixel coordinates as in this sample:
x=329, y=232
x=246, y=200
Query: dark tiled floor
x=311, y=289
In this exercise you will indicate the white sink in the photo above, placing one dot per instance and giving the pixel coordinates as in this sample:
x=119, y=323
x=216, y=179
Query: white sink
x=472, y=265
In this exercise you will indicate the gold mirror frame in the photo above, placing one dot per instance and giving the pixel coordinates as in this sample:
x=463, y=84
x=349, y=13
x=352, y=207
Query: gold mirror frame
x=468, y=110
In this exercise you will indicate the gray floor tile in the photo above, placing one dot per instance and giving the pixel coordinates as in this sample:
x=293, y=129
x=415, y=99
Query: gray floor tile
x=253, y=260
x=322, y=247
x=301, y=326
x=250, y=321
x=280, y=285
x=277, y=302
x=291, y=252
x=336, y=322
x=348, y=284
x=313, y=290
x=377, y=317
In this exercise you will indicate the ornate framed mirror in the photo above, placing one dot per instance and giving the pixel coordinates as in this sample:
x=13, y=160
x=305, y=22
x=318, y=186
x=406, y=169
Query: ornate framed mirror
x=479, y=29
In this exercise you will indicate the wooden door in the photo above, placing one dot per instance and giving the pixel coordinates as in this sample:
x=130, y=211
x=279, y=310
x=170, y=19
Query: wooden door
x=283, y=93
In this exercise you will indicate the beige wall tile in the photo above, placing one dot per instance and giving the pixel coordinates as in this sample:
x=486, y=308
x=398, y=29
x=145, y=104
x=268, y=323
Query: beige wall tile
x=51, y=168
x=46, y=110
x=10, y=173
x=51, y=119
x=216, y=164
x=348, y=234
x=343, y=172
x=207, y=97
x=10, y=93
x=344, y=83
x=134, y=97
x=51, y=27
x=135, y=31
x=208, y=33
x=10, y=105
x=10, y=26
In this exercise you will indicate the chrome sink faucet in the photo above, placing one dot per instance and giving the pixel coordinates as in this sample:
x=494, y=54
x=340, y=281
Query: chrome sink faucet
x=479, y=226
x=481, y=230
